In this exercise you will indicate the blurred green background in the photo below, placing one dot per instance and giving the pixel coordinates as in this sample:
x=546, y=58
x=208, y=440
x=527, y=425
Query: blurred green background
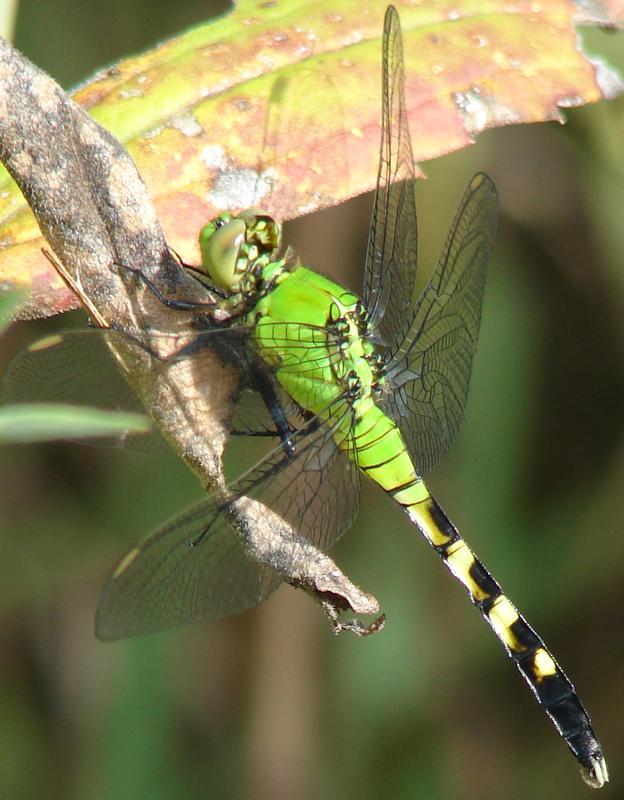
x=269, y=704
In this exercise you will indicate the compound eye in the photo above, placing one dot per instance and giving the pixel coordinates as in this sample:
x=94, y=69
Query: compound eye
x=220, y=247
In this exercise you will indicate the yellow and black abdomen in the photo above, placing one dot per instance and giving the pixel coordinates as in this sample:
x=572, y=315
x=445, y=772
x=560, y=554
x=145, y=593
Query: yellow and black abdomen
x=382, y=455
x=547, y=681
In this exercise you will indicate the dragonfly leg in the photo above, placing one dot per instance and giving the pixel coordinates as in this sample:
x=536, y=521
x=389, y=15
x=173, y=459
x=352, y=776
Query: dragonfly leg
x=263, y=385
x=355, y=626
x=175, y=305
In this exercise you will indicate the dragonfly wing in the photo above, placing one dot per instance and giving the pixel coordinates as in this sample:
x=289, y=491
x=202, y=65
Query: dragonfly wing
x=77, y=367
x=294, y=144
x=199, y=565
x=388, y=290
x=429, y=372
x=261, y=406
x=253, y=418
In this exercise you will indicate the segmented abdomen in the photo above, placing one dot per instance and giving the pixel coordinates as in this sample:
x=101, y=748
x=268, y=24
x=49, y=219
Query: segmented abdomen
x=382, y=456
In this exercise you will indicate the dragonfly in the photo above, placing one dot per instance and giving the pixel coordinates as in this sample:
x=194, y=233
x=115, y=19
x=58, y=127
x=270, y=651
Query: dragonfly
x=345, y=386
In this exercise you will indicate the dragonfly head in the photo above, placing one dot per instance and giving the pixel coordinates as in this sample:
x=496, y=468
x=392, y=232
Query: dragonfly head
x=231, y=244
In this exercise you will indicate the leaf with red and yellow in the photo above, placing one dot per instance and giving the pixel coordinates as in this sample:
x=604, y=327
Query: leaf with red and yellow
x=278, y=104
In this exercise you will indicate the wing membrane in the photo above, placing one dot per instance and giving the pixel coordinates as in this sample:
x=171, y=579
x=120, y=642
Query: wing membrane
x=289, y=180
x=429, y=373
x=388, y=290
x=78, y=367
x=252, y=417
x=199, y=565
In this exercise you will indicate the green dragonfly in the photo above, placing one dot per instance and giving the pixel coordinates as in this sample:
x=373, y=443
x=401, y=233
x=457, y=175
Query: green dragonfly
x=346, y=386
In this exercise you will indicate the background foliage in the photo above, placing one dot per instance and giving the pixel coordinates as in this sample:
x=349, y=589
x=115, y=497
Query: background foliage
x=268, y=704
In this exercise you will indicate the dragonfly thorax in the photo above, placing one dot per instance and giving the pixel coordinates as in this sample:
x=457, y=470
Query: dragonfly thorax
x=235, y=247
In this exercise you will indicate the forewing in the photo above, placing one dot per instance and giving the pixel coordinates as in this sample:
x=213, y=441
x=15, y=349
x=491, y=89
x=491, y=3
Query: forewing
x=388, y=290
x=295, y=348
x=76, y=367
x=79, y=367
x=429, y=373
x=253, y=418
x=304, y=106
x=201, y=564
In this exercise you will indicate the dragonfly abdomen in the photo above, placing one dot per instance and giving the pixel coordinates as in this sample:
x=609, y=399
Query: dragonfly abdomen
x=380, y=450
x=550, y=685
x=381, y=454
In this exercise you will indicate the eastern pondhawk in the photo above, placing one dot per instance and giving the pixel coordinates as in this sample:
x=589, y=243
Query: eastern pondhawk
x=347, y=386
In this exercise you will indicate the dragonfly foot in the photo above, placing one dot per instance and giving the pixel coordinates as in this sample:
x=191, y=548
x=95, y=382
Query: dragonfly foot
x=335, y=594
x=357, y=627
x=332, y=612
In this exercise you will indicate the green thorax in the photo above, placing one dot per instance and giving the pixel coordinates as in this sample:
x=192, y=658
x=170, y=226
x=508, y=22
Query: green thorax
x=313, y=333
